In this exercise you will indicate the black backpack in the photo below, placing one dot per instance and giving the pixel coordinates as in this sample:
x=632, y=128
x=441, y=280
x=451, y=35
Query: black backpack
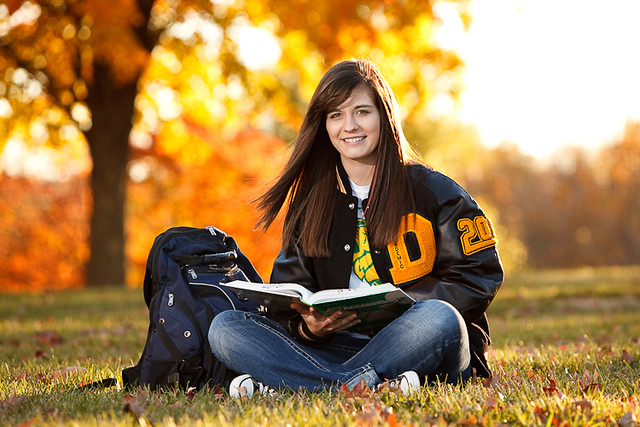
x=183, y=270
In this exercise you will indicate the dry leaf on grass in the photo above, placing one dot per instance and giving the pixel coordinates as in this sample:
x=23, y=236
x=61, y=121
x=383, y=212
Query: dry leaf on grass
x=132, y=406
x=629, y=419
x=627, y=357
x=360, y=390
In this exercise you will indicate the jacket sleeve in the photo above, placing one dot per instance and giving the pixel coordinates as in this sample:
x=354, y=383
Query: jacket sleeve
x=294, y=267
x=467, y=271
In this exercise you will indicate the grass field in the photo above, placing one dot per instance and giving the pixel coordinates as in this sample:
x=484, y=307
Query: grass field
x=566, y=351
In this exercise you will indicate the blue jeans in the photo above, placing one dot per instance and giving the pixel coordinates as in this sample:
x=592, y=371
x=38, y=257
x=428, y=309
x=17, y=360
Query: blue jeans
x=430, y=338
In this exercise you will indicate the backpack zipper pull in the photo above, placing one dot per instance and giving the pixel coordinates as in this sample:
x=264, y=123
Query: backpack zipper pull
x=170, y=304
x=192, y=272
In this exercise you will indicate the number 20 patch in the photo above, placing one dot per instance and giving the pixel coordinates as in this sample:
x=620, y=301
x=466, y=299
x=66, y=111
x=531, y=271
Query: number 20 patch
x=477, y=234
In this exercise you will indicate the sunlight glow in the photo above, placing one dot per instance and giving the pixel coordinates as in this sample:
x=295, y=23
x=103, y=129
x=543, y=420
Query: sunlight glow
x=195, y=24
x=545, y=73
x=27, y=14
x=5, y=109
x=44, y=162
x=81, y=114
x=167, y=103
x=258, y=49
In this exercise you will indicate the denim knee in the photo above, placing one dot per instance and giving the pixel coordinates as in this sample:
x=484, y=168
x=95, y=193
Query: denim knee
x=441, y=316
x=221, y=330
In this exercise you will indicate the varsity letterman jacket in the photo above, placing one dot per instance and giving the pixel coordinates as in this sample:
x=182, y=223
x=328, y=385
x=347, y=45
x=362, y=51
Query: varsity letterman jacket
x=446, y=250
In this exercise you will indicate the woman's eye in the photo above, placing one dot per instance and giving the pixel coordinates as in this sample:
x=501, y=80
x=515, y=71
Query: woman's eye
x=334, y=115
x=362, y=112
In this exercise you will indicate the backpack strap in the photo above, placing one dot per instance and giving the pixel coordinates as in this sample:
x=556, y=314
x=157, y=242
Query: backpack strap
x=183, y=366
x=206, y=259
x=100, y=384
x=168, y=343
x=192, y=318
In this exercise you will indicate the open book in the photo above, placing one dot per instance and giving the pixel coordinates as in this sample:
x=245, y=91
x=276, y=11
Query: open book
x=375, y=305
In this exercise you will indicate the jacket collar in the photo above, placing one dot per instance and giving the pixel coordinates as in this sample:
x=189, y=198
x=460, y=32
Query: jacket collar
x=343, y=179
x=344, y=186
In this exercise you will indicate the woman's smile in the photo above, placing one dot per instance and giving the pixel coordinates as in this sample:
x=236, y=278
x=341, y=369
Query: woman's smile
x=354, y=139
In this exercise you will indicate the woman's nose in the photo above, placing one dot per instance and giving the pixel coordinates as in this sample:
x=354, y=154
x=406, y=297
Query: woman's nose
x=351, y=123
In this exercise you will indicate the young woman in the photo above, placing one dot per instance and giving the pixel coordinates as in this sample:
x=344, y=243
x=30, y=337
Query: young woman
x=361, y=210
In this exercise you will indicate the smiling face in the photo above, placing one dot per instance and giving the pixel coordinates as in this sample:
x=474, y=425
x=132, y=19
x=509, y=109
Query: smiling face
x=354, y=130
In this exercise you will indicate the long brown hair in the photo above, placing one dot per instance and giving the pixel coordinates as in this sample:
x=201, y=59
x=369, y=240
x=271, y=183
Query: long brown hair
x=309, y=181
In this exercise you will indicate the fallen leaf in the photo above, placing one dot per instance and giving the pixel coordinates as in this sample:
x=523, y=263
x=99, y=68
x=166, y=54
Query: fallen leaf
x=360, y=390
x=191, y=392
x=219, y=393
x=492, y=381
x=44, y=378
x=242, y=391
x=627, y=357
x=132, y=407
x=584, y=405
x=392, y=420
x=373, y=412
x=142, y=393
x=540, y=413
x=552, y=389
x=591, y=383
x=589, y=388
x=50, y=338
x=627, y=420
x=472, y=420
x=12, y=402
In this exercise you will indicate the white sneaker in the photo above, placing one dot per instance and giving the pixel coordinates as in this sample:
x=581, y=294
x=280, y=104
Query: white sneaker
x=405, y=383
x=245, y=386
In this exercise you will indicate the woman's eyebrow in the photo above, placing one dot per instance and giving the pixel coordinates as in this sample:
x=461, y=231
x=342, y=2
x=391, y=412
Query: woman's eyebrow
x=338, y=108
x=363, y=106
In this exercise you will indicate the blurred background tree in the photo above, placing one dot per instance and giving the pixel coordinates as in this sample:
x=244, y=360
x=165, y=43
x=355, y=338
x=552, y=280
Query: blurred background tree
x=581, y=209
x=181, y=82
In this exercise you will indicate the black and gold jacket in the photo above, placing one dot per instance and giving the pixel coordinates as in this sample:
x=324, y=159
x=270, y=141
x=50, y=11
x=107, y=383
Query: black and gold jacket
x=447, y=251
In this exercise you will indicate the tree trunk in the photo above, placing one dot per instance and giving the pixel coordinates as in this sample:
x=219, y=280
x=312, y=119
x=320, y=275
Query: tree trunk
x=112, y=112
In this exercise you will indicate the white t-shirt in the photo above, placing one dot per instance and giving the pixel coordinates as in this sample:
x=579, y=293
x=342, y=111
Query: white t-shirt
x=361, y=192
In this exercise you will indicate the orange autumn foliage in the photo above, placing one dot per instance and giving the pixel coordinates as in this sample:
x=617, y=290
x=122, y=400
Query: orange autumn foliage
x=215, y=188
x=43, y=238
x=45, y=230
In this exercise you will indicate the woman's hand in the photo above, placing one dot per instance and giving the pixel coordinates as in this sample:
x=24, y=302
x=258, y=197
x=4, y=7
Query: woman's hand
x=321, y=325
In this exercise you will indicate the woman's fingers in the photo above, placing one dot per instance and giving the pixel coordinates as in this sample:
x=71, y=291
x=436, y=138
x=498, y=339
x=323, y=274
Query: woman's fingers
x=322, y=325
x=300, y=308
x=345, y=322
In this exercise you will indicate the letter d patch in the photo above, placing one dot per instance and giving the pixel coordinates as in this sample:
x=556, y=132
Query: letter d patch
x=413, y=255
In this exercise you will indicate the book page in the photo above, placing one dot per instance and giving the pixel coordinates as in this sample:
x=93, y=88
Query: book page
x=288, y=289
x=328, y=295
x=276, y=297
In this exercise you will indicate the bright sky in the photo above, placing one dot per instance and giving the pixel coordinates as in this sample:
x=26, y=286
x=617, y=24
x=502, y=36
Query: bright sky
x=545, y=73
